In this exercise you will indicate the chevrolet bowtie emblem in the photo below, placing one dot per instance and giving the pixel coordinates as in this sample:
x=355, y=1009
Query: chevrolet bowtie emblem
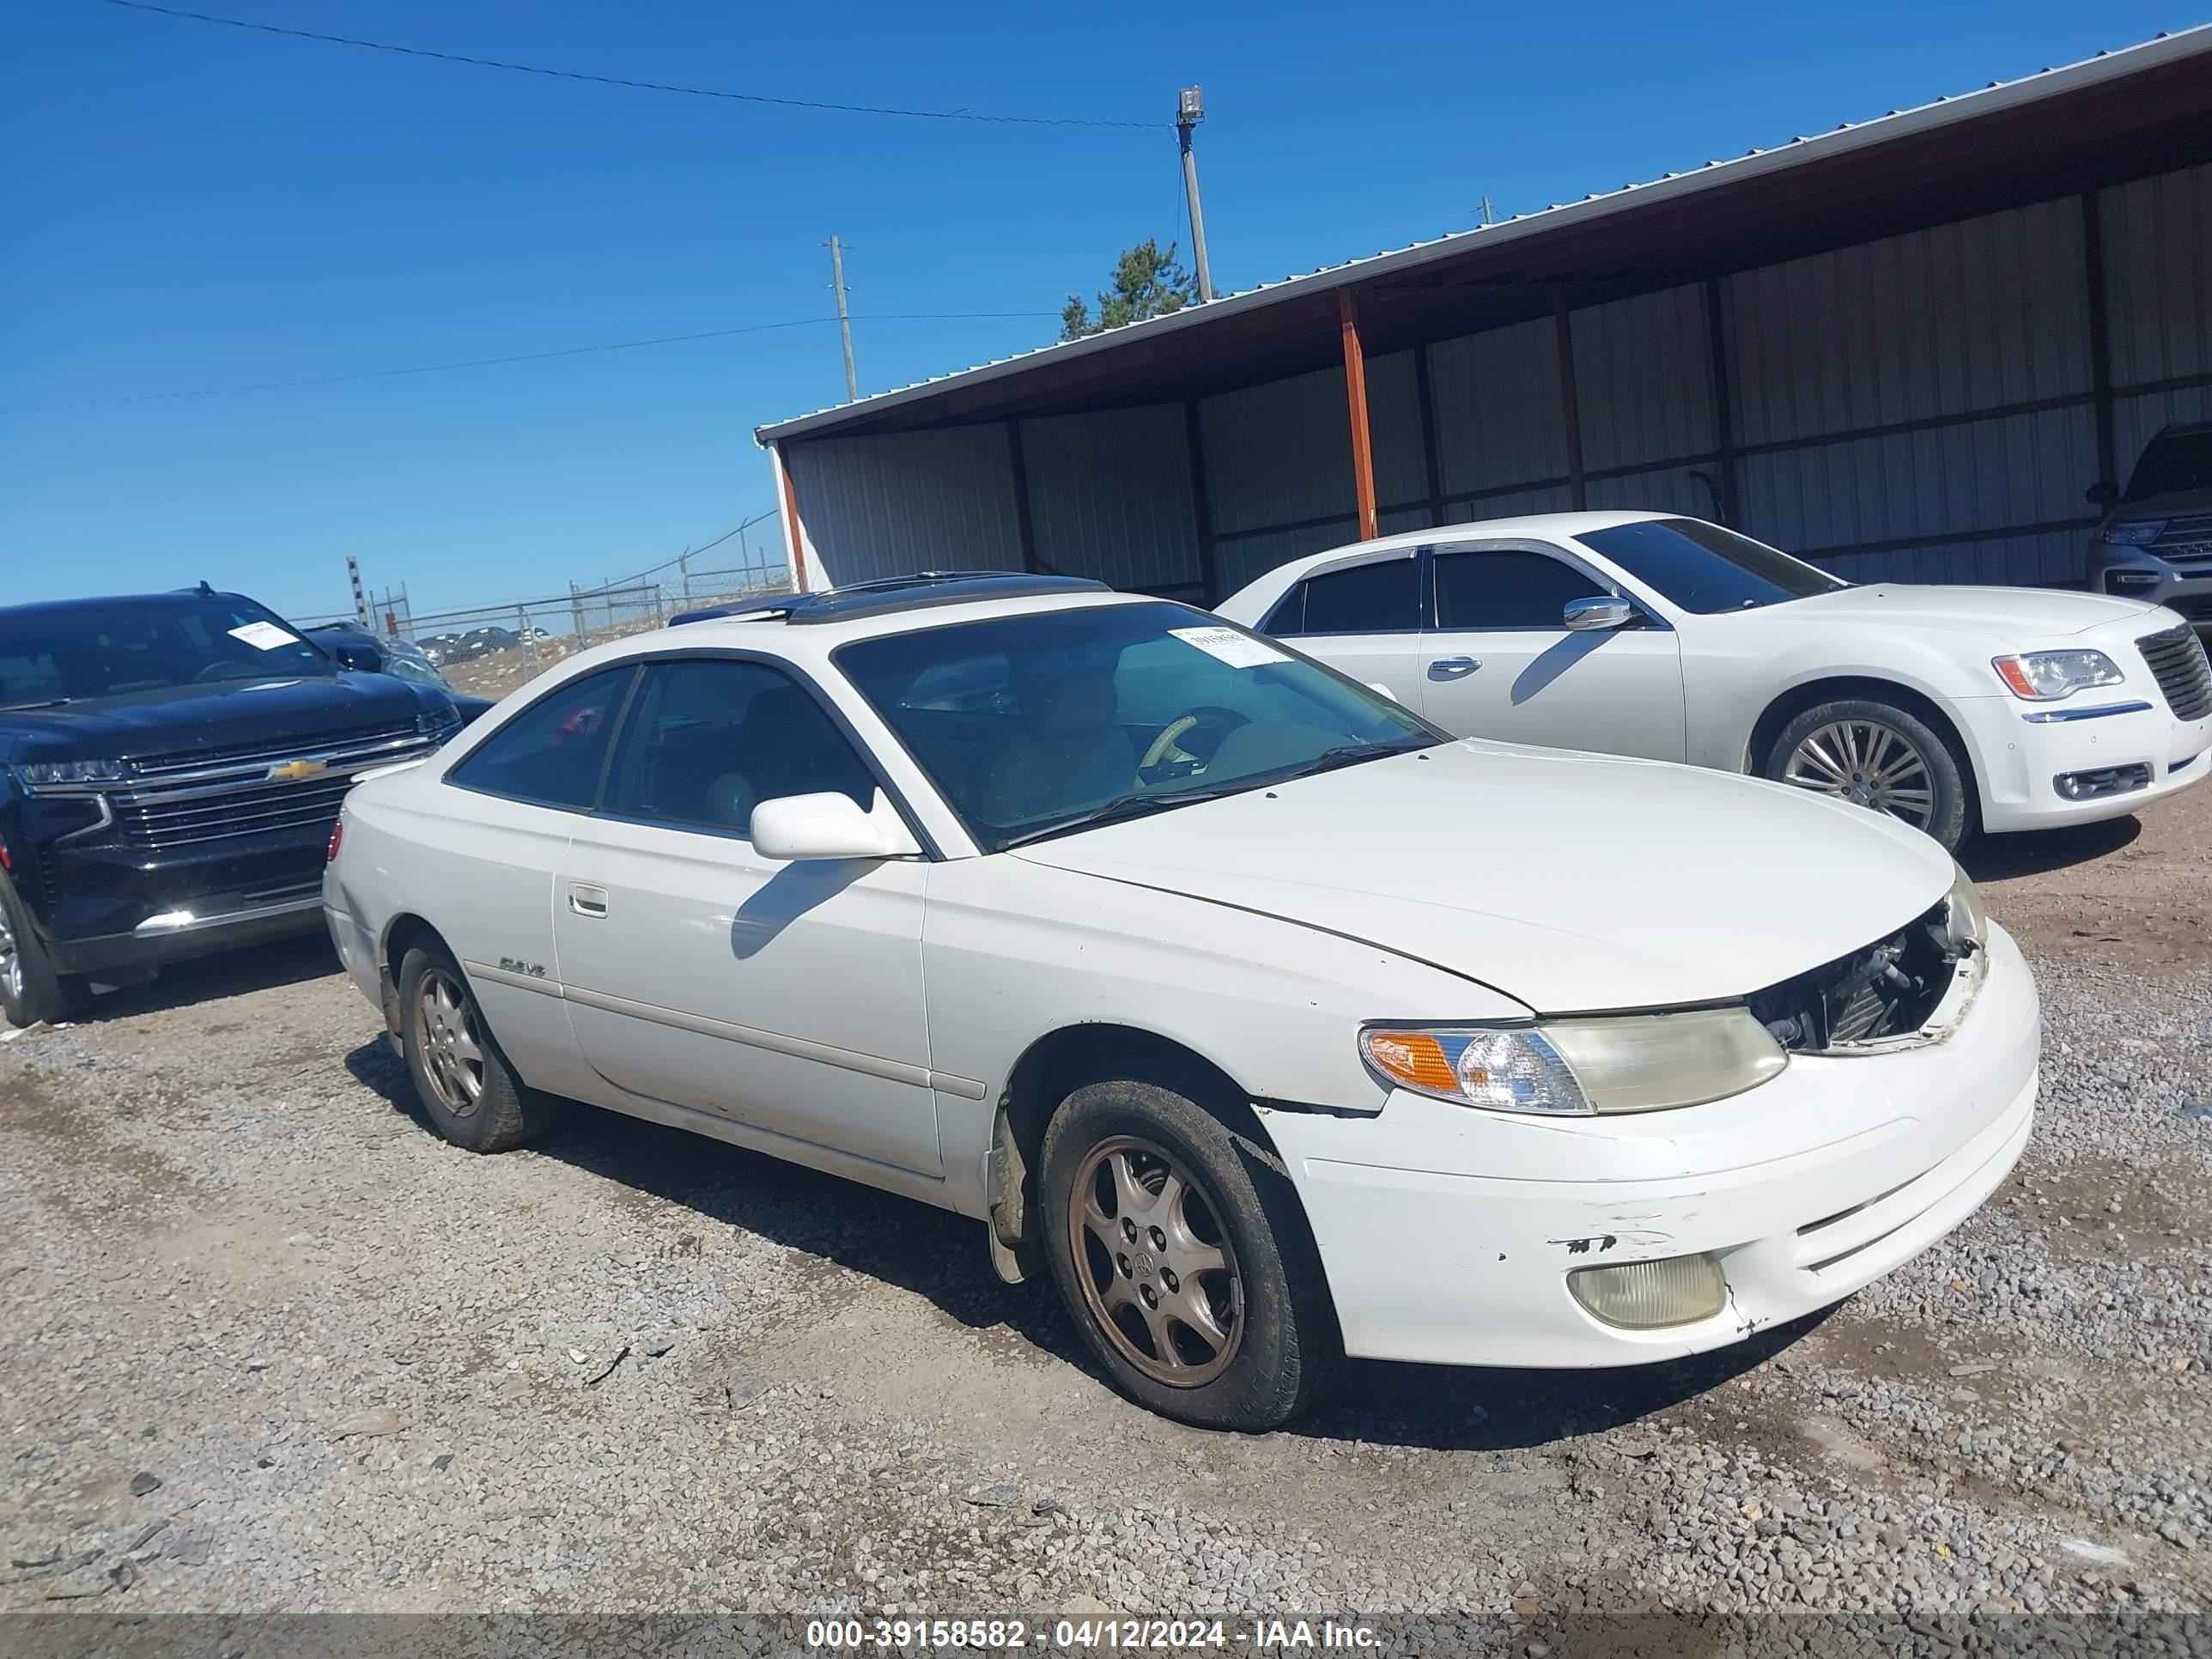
x=296, y=771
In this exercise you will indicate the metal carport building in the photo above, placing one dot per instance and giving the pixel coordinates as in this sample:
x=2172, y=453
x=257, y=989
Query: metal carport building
x=1903, y=349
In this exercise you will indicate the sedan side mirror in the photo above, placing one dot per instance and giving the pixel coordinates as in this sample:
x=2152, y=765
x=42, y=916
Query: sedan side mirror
x=829, y=826
x=2103, y=493
x=1609, y=611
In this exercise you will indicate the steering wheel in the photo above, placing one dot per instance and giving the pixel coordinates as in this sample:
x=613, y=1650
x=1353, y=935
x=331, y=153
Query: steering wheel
x=1165, y=749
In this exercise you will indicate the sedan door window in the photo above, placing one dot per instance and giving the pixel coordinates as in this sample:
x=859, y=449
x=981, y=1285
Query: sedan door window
x=553, y=752
x=1382, y=598
x=1507, y=587
x=709, y=739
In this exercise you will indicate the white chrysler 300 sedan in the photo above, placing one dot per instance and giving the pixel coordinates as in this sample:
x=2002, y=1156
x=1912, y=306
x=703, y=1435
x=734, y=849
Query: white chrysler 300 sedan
x=1277, y=1024
x=1951, y=708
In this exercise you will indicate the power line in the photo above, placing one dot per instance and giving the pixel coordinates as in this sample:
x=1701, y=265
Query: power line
x=619, y=81
x=529, y=357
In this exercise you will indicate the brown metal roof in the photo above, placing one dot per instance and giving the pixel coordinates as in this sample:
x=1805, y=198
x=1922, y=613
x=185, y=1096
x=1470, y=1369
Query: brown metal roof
x=2118, y=116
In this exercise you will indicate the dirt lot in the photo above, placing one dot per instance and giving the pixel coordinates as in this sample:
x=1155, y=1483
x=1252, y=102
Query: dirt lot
x=270, y=1345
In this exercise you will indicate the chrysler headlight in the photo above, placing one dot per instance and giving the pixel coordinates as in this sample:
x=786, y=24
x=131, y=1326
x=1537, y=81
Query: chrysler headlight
x=72, y=774
x=1967, y=919
x=2047, y=676
x=2134, y=535
x=1580, y=1067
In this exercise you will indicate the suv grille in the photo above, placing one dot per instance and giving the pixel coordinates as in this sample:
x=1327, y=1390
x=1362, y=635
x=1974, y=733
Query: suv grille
x=261, y=809
x=2176, y=660
x=2196, y=528
x=264, y=754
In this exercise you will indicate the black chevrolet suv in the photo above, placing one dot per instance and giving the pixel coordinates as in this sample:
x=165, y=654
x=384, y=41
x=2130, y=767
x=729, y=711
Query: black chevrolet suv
x=171, y=766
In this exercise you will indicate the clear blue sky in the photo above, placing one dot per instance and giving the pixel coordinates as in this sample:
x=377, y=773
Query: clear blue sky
x=190, y=206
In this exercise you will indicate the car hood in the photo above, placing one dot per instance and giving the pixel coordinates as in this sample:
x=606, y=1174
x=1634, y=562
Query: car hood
x=187, y=719
x=1569, y=881
x=2013, y=615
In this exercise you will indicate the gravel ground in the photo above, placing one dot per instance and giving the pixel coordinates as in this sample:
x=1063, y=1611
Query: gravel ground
x=272, y=1346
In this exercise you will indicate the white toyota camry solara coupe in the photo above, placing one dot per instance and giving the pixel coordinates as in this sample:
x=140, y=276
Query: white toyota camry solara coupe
x=1951, y=708
x=1276, y=1025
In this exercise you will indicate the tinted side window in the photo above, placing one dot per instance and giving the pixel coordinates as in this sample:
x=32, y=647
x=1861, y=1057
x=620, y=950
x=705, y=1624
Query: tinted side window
x=1368, y=598
x=553, y=751
x=709, y=739
x=1507, y=589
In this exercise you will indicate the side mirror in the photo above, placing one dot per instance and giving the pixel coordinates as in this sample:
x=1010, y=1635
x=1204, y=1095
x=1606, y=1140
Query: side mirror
x=1608, y=611
x=829, y=826
x=2103, y=493
x=359, y=660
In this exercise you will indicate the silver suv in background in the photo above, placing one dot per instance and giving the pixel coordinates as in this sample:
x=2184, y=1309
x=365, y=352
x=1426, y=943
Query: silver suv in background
x=2155, y=543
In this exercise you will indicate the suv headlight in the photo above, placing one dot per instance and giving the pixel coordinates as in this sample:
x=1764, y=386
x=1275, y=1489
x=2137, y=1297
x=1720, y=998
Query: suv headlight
x=1580, y=1067
x=2134, y=535
x=2047, y=676
x=439, y=723
x=72, y=774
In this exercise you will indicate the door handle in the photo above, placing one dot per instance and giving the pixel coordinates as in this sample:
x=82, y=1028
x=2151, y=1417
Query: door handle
x=1452, y=668
x=586, y=900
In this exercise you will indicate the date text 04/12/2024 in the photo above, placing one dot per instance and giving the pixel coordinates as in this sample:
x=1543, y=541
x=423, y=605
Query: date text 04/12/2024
x=1165, y=1634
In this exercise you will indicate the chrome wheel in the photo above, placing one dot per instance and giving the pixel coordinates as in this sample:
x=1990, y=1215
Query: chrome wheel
x=452, y=1048
x=1869, y=764
x=1158, y=1270
x=11, y=959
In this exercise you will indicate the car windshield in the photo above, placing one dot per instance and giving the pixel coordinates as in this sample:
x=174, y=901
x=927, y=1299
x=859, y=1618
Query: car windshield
x=1037, y=725
x=1704, y=568
x=2173, y=463
x=65, y=654
x=413, y=670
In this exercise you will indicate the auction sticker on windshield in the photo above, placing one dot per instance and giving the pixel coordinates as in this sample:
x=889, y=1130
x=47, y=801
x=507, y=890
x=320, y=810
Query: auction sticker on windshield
x=1226, y=644
x=263, y=636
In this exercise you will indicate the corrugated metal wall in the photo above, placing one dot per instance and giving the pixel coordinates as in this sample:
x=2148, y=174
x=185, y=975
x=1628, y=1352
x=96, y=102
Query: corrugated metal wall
x=1919, y=407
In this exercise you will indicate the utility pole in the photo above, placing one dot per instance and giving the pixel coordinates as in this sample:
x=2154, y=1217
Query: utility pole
x=1190, y=110
x=360, y=599
x=1485, y=210
x=844, y=321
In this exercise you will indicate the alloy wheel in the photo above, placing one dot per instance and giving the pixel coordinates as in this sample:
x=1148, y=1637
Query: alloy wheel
x=451, y=1045
x=11, y=959
x=1869, y=764
x=1158, y=1271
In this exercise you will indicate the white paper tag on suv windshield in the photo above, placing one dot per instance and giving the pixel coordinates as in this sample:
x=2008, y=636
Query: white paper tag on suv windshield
x=263, y=636
x=1227, y=645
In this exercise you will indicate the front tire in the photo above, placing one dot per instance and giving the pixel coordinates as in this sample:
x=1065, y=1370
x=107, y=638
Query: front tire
x=1184, y=1259
x=1878, y=756
x=468, y=1092
x=31, y=989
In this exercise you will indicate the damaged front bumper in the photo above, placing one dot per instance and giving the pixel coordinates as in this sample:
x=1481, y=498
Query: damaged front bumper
x=1447, y=1233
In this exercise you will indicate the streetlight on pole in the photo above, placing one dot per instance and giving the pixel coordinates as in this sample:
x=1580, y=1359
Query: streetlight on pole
x=1190, y=110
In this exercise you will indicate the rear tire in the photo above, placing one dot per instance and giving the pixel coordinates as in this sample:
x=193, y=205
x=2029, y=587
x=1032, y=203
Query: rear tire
x=1184, y=1258
x=1881, y=757
x=468, y=1092
x=31, y=989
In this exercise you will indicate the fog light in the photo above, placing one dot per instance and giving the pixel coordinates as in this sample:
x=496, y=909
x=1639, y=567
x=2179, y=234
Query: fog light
x=2119, y=581
x=2104, y=781
x=1644, y=1296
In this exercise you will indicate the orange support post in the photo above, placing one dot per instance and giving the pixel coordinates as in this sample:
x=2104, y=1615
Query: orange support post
x=1355, y=391
x=794, y=532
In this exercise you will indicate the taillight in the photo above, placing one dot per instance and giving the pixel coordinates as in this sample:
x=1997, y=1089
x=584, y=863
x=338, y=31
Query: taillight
x=337, y=835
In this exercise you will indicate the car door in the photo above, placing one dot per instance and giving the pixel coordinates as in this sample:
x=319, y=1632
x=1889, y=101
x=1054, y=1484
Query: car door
x=785, y=996
x=1499, y=661
x=1363, y=620
x=492, y=840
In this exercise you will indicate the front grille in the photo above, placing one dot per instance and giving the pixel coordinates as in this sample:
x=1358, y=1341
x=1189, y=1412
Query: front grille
x=1888, y=989
x=162, y=825
x=2197, y=526
x=2176, y=660
x=2189, y=552
x=157, y=767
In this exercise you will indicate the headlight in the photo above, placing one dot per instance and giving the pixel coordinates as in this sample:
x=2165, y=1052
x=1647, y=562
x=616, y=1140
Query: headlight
x=2047, y=676
x=72, y=774
x=2134, y=535
x=1579, y=1068
x=438, y=722
x=1968, y=920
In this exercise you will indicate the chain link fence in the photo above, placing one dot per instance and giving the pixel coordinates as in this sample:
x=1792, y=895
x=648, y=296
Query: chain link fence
x=489, y=649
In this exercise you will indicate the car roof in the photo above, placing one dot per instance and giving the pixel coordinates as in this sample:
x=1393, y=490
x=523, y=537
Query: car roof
x=1533, y=526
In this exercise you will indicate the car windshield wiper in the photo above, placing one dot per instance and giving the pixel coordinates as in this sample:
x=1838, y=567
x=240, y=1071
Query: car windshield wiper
x=51, y=702
x=1124, y=807
x=1345, y=753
